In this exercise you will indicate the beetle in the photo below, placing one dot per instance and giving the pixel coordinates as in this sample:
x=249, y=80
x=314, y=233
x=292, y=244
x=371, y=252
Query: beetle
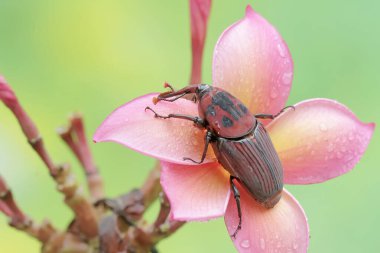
x=240, y=142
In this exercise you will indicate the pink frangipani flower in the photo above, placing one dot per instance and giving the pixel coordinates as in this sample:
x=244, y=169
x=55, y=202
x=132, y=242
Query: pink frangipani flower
x=319, y=140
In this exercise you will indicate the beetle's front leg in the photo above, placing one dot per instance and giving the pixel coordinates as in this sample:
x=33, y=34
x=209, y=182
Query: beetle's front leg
x=208, y=138
x=236, y=193
x=271, y=116
x=197, y=121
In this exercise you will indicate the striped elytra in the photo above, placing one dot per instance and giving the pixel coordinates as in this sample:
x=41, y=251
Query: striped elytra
x=254, y=161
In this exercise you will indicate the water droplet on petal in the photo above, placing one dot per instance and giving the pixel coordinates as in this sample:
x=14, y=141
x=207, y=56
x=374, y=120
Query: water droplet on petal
x=245, y=244
x=323, y=127
x=287, y=78
x=262, y=243
x=348, y=158
x=295, y=245
x=281, y=50
x=195, y=142
x=273, y=93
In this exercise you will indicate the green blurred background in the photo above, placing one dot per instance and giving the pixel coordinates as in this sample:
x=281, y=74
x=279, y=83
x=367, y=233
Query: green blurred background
x=92, y=56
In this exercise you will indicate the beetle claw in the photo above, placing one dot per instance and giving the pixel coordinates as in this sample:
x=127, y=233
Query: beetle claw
x=283, y=110
x=236, y=232
x=189, y=159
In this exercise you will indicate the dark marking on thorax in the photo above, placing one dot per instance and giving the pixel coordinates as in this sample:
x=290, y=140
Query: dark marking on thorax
x=222, y=100
x=227, y=122
x=211, y=110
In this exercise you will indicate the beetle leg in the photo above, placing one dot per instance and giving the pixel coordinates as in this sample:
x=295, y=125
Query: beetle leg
x=197, y=121
x=236, y=193
x=271, y=116
x=208, y=138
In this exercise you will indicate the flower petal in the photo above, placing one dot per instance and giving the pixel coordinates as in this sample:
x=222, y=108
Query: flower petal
x=196, y=192
x=165, y=139
x=282, y=228
x=252, y=62
x=320, y=140
x=199, y=13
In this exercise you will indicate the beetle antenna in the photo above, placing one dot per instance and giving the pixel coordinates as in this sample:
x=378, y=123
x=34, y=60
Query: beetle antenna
x=167, y=85
x=159, y=98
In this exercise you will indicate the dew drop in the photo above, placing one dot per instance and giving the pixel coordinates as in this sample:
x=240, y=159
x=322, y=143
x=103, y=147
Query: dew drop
x=295, y=245
x=339, y=155
x=262, y=243
x=245, y=244
x=195, y=142
x=330, y=148
x=273, y=94
x=348, y=158
x=323, y=127
x=281, y=50
x=287, y=78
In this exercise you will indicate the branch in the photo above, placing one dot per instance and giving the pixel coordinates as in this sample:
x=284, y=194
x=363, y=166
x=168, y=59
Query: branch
x=85, y=214
x=152, y=187
x=75, y=138
x=27, y=125
x=19, y=220
x=199, y=13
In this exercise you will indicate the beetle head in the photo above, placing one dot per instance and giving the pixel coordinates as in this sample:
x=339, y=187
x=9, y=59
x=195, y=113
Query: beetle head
x=198, y=90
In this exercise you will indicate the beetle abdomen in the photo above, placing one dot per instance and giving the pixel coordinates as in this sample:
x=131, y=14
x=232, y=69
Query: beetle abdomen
x=254, y=161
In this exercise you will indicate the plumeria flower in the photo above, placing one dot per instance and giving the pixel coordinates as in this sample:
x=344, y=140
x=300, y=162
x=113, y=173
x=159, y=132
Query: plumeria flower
x=319, y=140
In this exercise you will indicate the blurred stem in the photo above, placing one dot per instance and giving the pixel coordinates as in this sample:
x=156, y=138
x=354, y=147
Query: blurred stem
x=75, y=138
x=28, y=127
x=199, y=13
x=85, y=214
x=19, y=220
x=152, y=186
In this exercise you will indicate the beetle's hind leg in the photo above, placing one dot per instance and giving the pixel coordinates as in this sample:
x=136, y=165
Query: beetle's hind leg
x=271, y=116
x=236, y=193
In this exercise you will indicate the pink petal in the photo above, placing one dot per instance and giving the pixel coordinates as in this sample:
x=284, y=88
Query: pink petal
x=199, y=13
x=283, y=228
x=252, y=61
x=320, y=140
x=196, y=192
x=165, y=139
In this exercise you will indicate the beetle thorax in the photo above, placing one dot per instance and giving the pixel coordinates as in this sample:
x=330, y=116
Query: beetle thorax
x=225, y=115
